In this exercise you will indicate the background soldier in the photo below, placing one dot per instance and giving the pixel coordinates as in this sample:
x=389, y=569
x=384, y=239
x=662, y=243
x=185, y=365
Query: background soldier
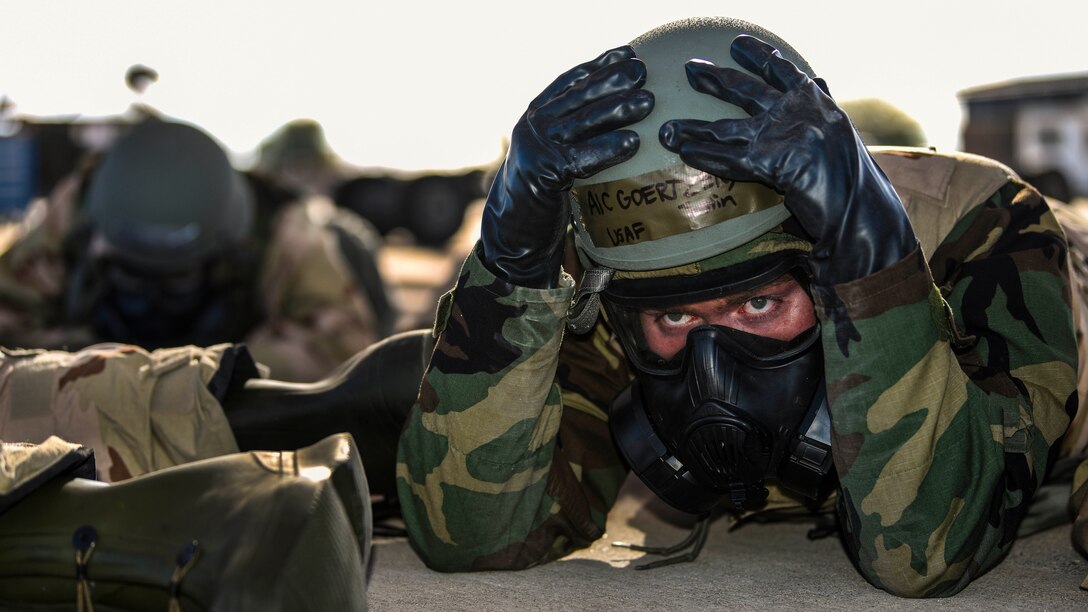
x=164, y=244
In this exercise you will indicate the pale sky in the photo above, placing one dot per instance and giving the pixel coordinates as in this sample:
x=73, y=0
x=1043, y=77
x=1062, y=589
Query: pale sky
x=414, y=85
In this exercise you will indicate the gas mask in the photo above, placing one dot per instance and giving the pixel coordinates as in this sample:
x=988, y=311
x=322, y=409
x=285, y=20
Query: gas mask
x=151, y=310
x=206, y=304
x=731, y=410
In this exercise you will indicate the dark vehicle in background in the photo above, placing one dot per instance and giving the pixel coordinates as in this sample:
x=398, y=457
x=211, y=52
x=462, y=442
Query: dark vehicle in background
x=35, y=154
x=430, y=206
x=1038, y=126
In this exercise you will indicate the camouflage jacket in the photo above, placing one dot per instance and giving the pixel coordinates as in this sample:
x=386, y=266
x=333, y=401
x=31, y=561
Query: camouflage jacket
x=312, y=313
x=944, y=410
x=140, y=411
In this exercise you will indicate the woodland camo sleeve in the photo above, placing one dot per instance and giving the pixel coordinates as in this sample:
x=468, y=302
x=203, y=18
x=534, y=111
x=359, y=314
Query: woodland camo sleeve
x=506, y=459
x=946, y=411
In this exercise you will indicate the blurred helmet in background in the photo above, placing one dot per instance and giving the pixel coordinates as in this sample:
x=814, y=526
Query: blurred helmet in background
x=167, y=216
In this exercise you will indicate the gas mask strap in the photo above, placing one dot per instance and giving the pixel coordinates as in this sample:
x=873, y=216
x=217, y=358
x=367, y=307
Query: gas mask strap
x=586, y=303
x=695, y=540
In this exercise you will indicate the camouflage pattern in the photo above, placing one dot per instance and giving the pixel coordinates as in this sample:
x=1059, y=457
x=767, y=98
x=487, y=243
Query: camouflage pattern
x=316, y=315
x=944, y=412
x=1074, y=448
x=981, y=375
x=515, y=434
x=1078, y=503
x=32, y=271
x=24, y=466
x=1074, y=221
x=139, y=411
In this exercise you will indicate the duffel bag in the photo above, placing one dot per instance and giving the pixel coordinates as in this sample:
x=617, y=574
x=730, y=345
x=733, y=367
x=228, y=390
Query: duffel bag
x=284, y=530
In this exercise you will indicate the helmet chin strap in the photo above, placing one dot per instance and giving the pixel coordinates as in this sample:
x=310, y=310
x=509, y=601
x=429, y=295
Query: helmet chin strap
x=586, y=303
x=809, y=464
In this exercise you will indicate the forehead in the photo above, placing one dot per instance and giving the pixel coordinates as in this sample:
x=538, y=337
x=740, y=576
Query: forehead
x=786, y=283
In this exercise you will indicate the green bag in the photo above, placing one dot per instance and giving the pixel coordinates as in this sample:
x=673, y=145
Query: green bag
x=264, y=531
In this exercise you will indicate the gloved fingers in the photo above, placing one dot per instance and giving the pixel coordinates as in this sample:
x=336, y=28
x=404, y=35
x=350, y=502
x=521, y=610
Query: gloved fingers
x=602, y=151
x=615, y=111
x=616, y=78
x=581, y=71
x=722, y=148
x=678, y=133
x=764, y=60
x=722, y=160
x=732, y=86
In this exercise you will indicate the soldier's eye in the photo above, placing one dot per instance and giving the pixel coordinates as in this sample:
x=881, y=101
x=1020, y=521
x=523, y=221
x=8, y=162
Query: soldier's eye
x=759, y=305
x=675, y=319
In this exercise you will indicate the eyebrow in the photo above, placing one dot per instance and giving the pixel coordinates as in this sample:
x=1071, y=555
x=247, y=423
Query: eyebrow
x=731, y=299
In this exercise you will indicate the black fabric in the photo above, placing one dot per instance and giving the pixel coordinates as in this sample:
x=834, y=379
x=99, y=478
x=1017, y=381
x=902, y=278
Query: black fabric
x=359, y=243
x=369, y=397
x=236, y=366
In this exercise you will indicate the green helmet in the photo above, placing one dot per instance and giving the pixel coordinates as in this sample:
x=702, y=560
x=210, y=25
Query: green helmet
x=301, y=141
x=166, y=199
x=881, y=123
x=653, y=212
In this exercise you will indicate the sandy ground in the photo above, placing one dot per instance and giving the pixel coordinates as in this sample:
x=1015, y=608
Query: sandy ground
x=754, y=567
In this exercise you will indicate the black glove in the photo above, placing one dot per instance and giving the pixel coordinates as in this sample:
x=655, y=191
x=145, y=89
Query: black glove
x=568, y=132
x=800, y=143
